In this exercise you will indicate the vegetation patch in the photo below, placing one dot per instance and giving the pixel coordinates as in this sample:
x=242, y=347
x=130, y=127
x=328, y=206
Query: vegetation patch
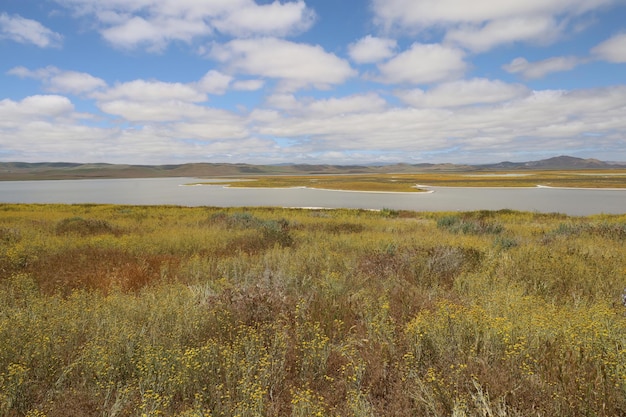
x=270, y=231
x=615, y=231
x=408, y=182
x=469, y=225
x=277, y=312
x=84, y=227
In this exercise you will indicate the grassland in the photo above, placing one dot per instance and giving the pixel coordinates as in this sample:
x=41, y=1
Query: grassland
x=151, y=311
x=411, y=182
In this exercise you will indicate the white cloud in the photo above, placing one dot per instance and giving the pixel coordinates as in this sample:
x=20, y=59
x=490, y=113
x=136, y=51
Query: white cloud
x=39, y=141
x=22, y=30
x=46, y=127
x=178, y=119
x=480, y=38
x=214, y=82
x=157, y=111
x=60, y=81
x=358, y=103
x=37, y=107
x=371, y=49
x=155, y=33
x=423, y=64
x=356, y=128
x=154, y=24
x=75, y=82
x=539, y=69
x=169, y=104
x=142, y=91
x=216, y=128
x=273, y=19
x=294, y=65
x=283, y=102
x=612, y=49
x=425, y=13
x=157, y=101
x=483, y=24
x=248, y=85
x=462, y=93
x=542, y=121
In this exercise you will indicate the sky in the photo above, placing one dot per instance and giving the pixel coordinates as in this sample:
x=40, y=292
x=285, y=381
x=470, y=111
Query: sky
x=315, y=81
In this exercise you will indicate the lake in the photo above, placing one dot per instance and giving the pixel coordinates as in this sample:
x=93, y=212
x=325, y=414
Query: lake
x=173, y=191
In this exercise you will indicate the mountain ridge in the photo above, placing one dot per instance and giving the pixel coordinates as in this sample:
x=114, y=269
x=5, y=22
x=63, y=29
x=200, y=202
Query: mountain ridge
x=72, y=170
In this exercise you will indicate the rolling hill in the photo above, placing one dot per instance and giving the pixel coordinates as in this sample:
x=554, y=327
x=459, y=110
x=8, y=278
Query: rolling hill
x=67, y=170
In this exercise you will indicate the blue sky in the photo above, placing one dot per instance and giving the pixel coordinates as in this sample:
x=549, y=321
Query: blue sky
x=317, y=81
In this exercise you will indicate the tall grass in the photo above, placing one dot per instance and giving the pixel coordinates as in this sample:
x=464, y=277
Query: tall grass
x=133, y=311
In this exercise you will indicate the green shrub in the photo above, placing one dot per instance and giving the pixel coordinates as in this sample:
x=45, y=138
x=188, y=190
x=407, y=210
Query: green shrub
x=469, y=226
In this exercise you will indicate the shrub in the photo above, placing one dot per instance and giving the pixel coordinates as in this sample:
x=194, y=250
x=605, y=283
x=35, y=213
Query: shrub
x=386, y=212
x=505, y=243
x=84, y=227
x=469, y=226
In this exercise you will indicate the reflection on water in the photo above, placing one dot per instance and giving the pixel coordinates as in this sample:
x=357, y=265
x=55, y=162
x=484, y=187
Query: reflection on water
x=171, y=191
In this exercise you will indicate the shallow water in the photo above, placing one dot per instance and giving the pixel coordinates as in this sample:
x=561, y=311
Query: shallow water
x=173, y=191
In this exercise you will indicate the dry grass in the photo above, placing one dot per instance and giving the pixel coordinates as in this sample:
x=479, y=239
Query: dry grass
x=409, y=182
x=133, y=311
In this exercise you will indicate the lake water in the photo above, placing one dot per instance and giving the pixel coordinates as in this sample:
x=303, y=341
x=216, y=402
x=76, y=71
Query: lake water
x=173, y=191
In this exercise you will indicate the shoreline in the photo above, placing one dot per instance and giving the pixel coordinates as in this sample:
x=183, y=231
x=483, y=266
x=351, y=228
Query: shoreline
x=328, y=189
x=429, y=189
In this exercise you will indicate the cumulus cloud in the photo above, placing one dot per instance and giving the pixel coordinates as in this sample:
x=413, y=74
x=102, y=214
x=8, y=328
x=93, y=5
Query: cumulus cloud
x=60, y=81
x=483, y=24
x=215, y=127
x=354, y=127
x=612, y=49
x=545, y=121
x=167, y=103
x=357, y=103
x=154, y=101
x=424, y=13
x=33, y=108
x=214, y=82
x=22, y=30
x=177, y=119
x=274, y=19
x=539, y=69
x=142, y=90
x=155, y=34
x=371, y=49
x=481, y=38
x=295, y=65
x=423, y=64
x=157, y=111
x=477, y=91
x=248, y=85
x=46, y=127
x=136, y=100
x=154, y=24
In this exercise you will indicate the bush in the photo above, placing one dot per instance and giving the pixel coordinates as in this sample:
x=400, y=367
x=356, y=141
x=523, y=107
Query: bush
x=277, y=231
x=84, y=227
x=469, y=226
x=614, y=231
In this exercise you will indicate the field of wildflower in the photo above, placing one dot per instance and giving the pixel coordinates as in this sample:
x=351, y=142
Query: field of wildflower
x=172, y=311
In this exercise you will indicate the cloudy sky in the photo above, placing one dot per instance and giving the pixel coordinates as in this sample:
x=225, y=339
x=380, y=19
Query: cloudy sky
x=310, y=81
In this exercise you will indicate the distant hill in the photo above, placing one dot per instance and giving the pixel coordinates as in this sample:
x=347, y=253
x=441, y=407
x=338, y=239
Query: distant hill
x=557, y=162
x=67, y=170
